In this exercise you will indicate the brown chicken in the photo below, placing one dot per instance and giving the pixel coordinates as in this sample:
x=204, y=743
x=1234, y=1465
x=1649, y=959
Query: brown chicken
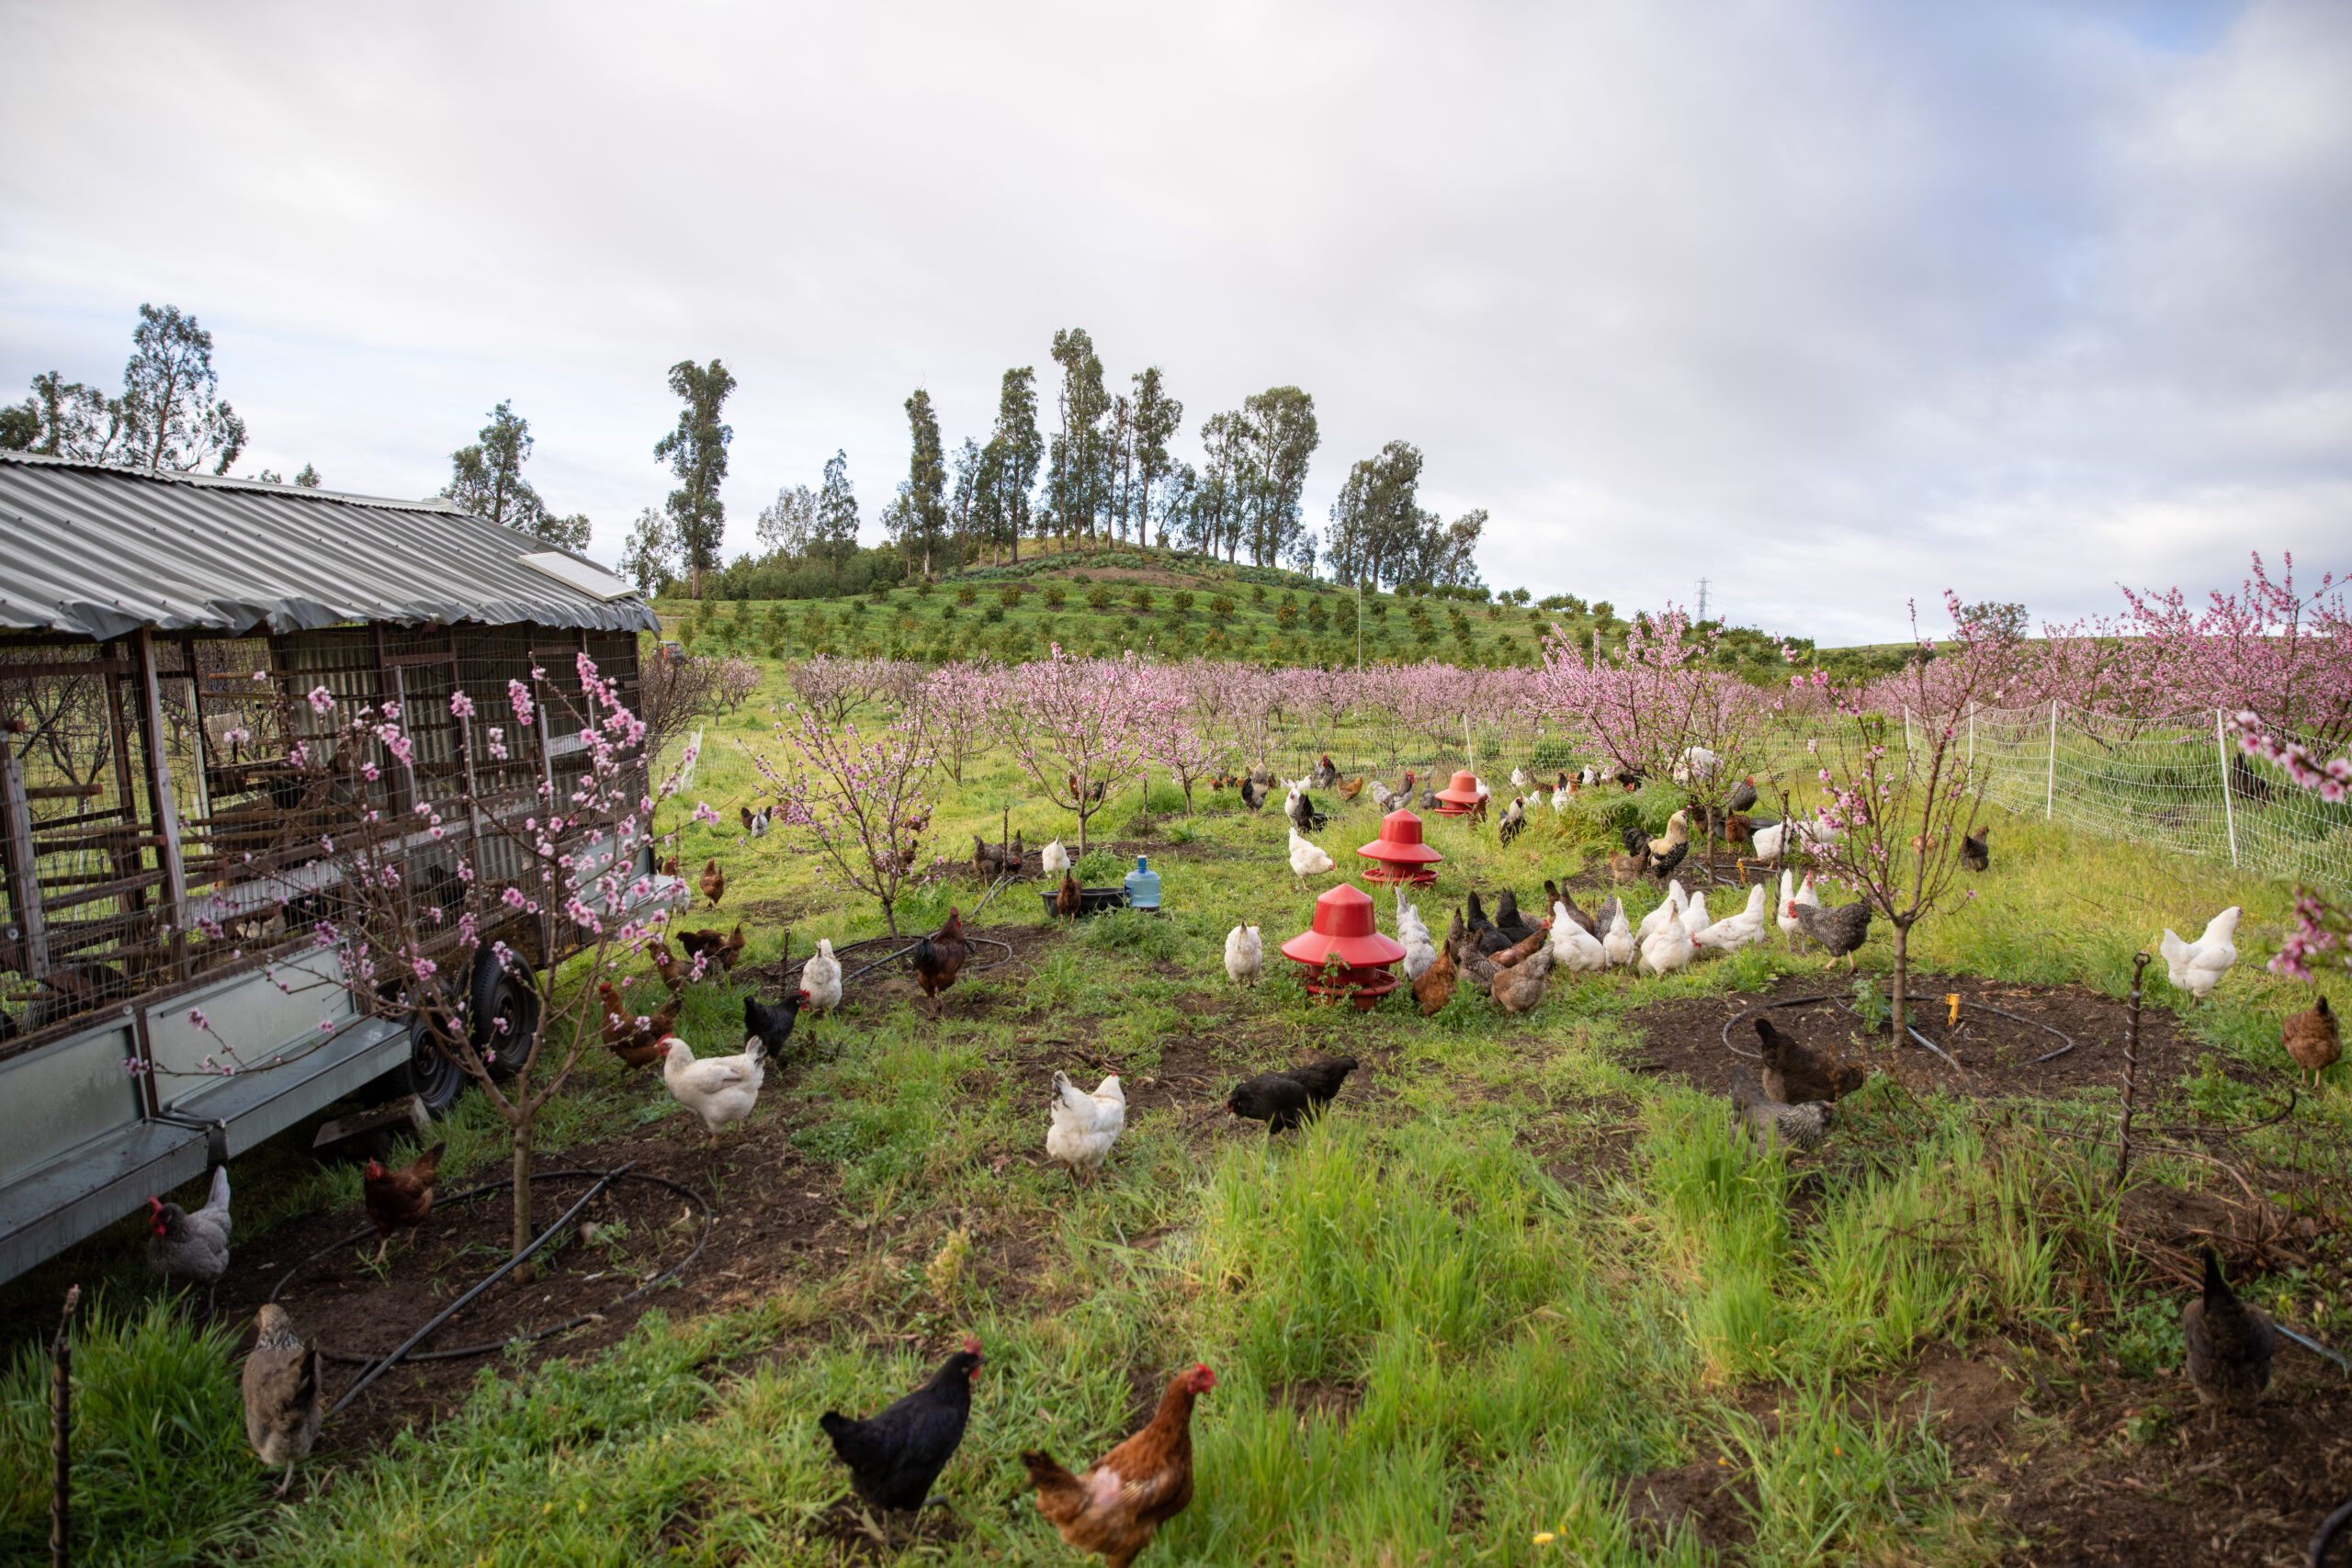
x=398, y=1200
x=1518, y=987
x=731, y=949
x=703, y=945
x=1090, y=792
x=1526, y=947
x=1625, y=867
x=1068, y=898
x=1556, y=899
x=670, y=866
x=1841, y=930
x=939, y=957
x=285, y=1400
x=1435, y=987
x=2312, y=1039
x=1112, y=1509
x=1350, y=788
x=1797, y=1074
x=665, y=963
x=714, y=883
x=636, y=1046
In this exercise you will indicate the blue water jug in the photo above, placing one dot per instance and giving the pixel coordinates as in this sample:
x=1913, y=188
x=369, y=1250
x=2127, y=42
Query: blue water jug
x=1143, y=887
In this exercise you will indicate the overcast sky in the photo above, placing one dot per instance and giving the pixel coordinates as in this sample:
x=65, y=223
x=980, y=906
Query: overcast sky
x=1832, y=304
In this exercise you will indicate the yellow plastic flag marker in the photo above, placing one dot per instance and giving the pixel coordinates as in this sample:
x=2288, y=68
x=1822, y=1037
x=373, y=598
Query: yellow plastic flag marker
x=1951, y=1000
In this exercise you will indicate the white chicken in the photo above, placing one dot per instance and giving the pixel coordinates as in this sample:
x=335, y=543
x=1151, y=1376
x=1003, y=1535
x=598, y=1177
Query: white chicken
x=1743, y=929
x=1305, y=858
x=1518, y=779
x=2198, y=966
x=720, y=1089
x=1054, y=859
x=1693, y=913
x=1574, y=949
x=1668, y=947
x=1420, y=949
x=1697, y=762
x=1245, y=955
x=1668, y=907
x=820, y=978
x=1562, y=794
x=1617, y=940
x=1804, y=896
x=1085, y=1125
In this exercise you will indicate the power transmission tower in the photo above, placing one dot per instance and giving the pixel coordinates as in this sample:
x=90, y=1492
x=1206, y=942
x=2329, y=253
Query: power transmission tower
x=1702, y=598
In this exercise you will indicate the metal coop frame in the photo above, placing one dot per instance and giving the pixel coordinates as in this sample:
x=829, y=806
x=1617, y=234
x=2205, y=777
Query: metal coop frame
x=159, y=634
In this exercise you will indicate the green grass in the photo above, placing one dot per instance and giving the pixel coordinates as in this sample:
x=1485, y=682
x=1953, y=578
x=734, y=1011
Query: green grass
x=1508, y=1276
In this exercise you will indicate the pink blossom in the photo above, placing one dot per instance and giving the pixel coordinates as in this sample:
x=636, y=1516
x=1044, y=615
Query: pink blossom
x=461, y=707
x=321, y=700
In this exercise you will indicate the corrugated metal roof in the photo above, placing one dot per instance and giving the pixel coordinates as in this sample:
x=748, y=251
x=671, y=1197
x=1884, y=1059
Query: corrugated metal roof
x=94, y=551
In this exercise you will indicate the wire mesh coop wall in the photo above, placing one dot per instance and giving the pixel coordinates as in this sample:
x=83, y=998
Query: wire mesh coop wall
x=155, y=826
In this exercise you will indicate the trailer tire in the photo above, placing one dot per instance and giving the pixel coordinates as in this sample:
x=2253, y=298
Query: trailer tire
x=434, y=1076
x=501, y=994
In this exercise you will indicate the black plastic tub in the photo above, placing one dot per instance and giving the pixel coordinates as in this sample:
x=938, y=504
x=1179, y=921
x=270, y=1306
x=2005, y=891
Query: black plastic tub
x=1091, y=900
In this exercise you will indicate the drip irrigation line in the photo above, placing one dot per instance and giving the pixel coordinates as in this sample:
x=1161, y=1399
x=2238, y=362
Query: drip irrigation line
x=1909, y=1029
x=604, y=1178
x=2324, y=1542
x=786, y=974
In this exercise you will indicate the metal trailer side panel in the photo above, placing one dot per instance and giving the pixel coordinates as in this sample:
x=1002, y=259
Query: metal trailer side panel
x=54, y=1101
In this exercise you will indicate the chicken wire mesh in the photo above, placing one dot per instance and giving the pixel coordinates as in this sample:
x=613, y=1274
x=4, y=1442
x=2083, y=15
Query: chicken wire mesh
x=2186, y=787
x=98, y=912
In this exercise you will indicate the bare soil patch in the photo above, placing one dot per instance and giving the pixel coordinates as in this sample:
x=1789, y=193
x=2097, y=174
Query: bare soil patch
x=1995, y=1053
x=780, y=1222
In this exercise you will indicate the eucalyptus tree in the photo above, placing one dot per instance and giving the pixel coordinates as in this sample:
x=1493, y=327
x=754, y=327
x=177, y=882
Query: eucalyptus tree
x=697, y=453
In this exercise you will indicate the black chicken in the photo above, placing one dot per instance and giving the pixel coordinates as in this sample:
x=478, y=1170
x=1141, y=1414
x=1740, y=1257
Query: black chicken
x=1489, y=938
x=1743, y=795
x=1508, y=920
x=895, y=1457
x=2228, y=1343
x=1282, y=1099
x=1305, y=816
x=773, y=1025
x=1253, y=795
x=1975, y=852
x=939, y=957
x=1634, y=839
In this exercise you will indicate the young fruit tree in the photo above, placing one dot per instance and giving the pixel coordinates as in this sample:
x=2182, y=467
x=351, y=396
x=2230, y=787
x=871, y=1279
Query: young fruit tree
x=1895, y=814
x=2322, y=933
x=467, y=852
x=857, y=792
x=1660, y=706
x=956, y=699
x=1079, y=727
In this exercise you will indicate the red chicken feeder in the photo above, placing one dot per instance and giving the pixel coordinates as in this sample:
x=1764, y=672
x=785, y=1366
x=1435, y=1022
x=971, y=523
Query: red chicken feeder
x=1399, y=856
x=1344, y=954
x=1461, y=798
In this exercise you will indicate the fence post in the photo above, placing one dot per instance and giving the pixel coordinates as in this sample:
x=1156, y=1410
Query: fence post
x=1468, y=750
x=2050, y=779
x=2229, y=813
x=1971, y=735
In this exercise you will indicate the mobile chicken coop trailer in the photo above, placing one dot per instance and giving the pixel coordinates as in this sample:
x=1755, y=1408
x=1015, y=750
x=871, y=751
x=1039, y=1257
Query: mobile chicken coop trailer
x=159, y=637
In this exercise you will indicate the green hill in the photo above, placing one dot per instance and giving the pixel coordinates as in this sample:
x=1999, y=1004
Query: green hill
x=1178, y=607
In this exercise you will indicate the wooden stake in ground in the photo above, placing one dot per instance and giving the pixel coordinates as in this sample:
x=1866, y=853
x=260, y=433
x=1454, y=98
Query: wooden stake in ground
x=61, y=1437
x=2130, y=1070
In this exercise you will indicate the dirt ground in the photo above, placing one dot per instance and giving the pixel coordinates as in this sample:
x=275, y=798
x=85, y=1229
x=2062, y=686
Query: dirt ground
x=1992, y=1053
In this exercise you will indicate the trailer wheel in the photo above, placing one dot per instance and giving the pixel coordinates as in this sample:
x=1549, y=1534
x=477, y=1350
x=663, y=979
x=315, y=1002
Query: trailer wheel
x=504, y=996
x=430, y=1073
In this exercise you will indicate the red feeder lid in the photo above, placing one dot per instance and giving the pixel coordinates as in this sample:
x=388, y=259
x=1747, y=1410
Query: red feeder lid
x=1343, y=928
x=1463, y=791
x=1400, y=842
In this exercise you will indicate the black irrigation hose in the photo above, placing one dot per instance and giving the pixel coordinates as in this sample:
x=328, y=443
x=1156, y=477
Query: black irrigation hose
x=2331, y=1526
x=1843, y=1006
x=605, y=1178
x=785, y=973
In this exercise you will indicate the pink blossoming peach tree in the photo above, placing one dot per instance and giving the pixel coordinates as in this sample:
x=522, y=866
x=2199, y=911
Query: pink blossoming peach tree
x=424, y=890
